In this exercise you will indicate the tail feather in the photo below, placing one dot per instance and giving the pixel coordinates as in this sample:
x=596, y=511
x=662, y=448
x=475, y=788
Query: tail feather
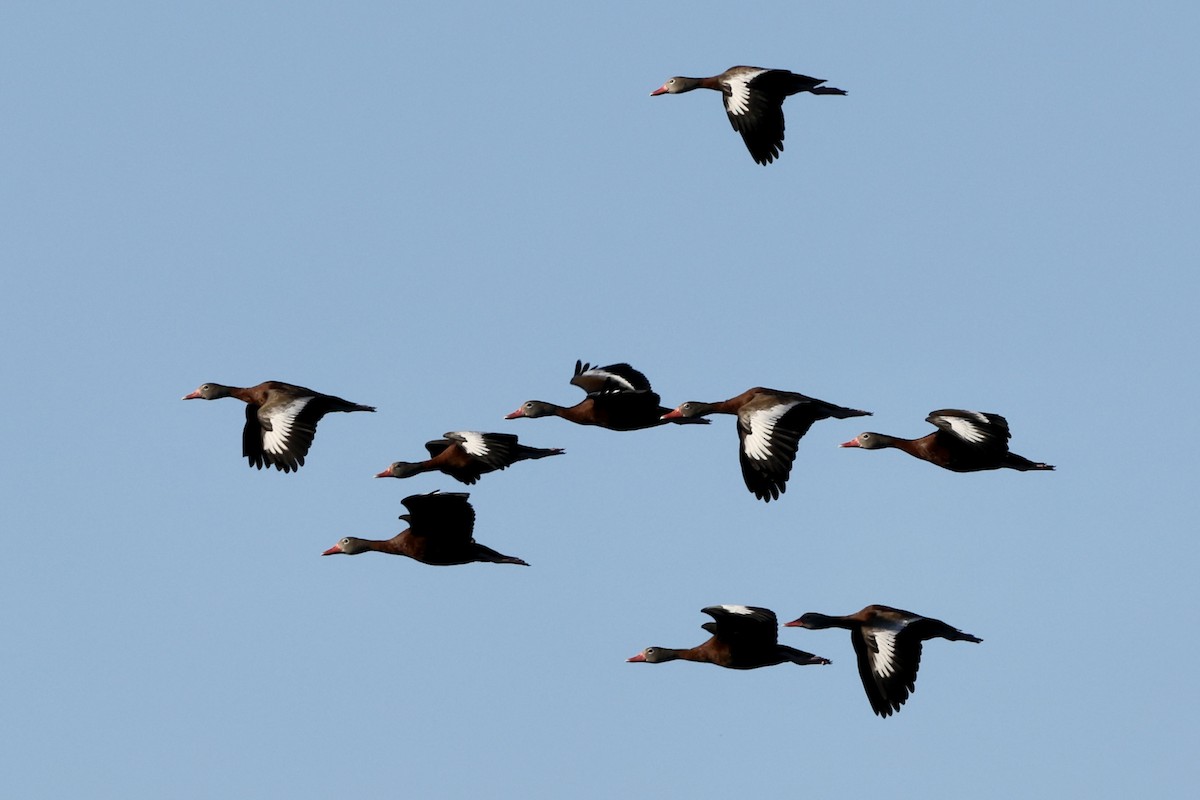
x=801, y=657
x=1014, y=461
x=550, y=451
x=955, y=635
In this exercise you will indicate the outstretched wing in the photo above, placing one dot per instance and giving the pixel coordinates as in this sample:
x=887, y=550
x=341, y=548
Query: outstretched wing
x=889, y=654
x=756, y=112
x=493, y=449
x=280, y=434
x=769, y=435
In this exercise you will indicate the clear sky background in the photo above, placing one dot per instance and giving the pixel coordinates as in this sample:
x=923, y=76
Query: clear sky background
x=436, y=209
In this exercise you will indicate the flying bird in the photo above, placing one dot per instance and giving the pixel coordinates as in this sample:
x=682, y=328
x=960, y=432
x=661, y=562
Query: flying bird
x=887, y=642
x=281, y=419
x=440, y=532
x=743, y=637
x=466, y=455
x=754, y=102
x=618, y=398
x=966, y=441
x=770, y=424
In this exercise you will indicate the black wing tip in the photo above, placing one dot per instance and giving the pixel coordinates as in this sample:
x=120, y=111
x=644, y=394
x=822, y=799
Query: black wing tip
x=768, y=492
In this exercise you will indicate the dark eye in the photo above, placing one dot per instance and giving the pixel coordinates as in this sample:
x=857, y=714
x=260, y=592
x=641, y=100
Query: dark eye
x=345, y=541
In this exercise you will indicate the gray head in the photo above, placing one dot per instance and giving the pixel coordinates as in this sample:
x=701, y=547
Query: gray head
x=208, y=391
x=676, y=85
x=811, y=620
x=690, y=409
x=869, y=441
x=654, y=655
x=533, y=409
x=401, y=469
x=349, y=545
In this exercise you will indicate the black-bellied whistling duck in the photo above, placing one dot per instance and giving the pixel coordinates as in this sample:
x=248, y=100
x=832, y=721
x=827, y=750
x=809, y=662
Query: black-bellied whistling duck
x=769, y=424
x=440, y=528
x=743, y=637
x=754, y=102
x=968, y=441
x=465, y=455
x=618, y=398
x=281, y=419
x=887, y=642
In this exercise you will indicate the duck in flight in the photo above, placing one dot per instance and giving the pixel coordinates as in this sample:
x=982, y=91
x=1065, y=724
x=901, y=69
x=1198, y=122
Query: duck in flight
x=754, y=102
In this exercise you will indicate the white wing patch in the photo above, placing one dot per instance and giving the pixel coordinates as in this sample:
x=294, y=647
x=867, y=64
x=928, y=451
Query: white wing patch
x=883, y=658
x=761, y=424
x=620, y=382
x=282, y=419
x=968, y=429
x=737, y=102
x=737, y=609
x=471, y=441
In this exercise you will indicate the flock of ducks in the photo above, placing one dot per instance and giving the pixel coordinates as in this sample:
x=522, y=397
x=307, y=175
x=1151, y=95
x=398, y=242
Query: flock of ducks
x=281, y=421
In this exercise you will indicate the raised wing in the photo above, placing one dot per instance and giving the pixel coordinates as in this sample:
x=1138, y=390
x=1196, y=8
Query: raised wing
x=436, y=446
x=743, y=625
x=446, y=515
x=987, y=431
x=613, y=378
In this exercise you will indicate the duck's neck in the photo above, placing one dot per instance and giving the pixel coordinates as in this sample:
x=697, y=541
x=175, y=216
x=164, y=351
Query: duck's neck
x=552, y=410
x=397, y=545
x=699, y=653
x=428, y=465
x=734, y=404
x=921, y=448
x=821, y=621
x=720, y=407
x=663, y=654
x=687, y=84
x=581, y=413
x=882, y=441
x=220, y=390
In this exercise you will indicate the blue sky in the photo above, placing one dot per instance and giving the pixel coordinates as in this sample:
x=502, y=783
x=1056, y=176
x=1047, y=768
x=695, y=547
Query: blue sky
x=437, y=210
